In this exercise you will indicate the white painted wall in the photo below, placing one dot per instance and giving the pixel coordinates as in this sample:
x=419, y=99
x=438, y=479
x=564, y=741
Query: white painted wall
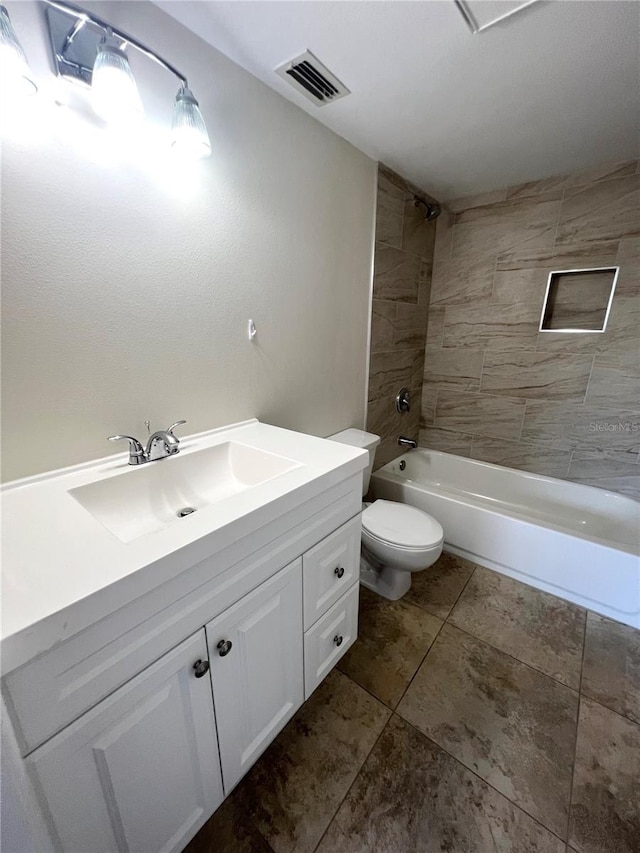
x=126, y=288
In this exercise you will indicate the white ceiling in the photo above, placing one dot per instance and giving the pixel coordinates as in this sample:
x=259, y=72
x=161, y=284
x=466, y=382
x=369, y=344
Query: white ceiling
x=553, y=89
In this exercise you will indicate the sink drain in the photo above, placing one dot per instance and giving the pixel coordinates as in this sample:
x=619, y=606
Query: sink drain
x=186, y=510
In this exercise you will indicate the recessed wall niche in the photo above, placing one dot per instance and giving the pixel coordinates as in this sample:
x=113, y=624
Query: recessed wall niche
x=578, y=300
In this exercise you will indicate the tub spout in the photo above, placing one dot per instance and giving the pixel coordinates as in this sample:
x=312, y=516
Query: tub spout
x=403, y=441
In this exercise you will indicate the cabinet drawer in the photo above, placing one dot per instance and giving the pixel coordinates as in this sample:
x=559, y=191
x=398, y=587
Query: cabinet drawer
x=329, y=569
x=330, y=638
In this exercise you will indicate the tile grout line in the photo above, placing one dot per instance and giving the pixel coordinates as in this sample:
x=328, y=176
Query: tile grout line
x=524, y=415
x=251, y=820
x=610, y=710
x=559, y=217
x=477, y=775
x=366, y=689
x=575, y=740
x=359, y=771
x=586, y=390
x=393, y=711
x=571, y=452
x=484, y=355
x=430, y=612
x=513, y=657
x=468, y=581
x=387, y=708
x=418, y=668
x=433, y=642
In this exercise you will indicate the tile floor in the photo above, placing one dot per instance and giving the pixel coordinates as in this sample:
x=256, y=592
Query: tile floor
x=477, y=714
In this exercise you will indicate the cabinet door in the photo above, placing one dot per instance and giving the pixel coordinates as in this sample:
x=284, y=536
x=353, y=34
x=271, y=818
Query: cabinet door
x=255, y=649
x=140, y=771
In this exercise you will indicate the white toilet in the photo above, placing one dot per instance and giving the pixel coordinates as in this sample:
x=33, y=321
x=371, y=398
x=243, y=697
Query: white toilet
x=397, y=539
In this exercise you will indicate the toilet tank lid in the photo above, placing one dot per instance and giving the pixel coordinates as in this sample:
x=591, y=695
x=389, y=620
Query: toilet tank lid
x=401, y=524
x=356, y=438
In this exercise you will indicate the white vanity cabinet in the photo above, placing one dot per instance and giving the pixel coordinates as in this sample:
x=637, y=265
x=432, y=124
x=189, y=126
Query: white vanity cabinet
x=139, y=772
x=133, y=720
x=255, y=652
x=142, y=770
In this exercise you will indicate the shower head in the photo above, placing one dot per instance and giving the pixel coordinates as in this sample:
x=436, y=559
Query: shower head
x=432, y=209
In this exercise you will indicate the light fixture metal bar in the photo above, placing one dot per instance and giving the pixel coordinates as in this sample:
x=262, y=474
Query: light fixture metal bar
x=472, y=23
x=79, y=24
x=85, y=17
x=468, y=16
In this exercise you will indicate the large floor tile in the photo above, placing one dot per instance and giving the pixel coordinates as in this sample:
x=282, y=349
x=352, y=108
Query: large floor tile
x=437, y=588
x=611, y=672
x=295, y=789
x=533, y=626
x=393, y=638
x=411, y=797
x=509, y=723
x=605, y=809
x=228, y=831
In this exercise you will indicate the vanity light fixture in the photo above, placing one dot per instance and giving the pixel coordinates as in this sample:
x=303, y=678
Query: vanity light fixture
x=16, y=76
x=89, y=50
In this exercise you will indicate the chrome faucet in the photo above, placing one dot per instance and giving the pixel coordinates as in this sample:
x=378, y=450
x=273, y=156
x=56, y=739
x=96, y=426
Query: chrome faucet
x=403, y=441
x=162, y=443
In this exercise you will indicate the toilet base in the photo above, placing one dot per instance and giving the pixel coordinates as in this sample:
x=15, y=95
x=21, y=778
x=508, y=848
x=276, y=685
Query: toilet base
x=383, y=580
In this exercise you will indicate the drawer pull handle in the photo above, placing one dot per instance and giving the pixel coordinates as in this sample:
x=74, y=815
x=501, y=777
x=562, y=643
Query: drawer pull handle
x=224, y=647
x=338, y=571
x=201, y=667
x=338, y=639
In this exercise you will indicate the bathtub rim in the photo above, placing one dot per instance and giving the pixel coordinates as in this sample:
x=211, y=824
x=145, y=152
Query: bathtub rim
x=385, y=472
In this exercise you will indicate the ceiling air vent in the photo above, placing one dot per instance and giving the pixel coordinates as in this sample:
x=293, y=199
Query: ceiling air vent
x=310, y=77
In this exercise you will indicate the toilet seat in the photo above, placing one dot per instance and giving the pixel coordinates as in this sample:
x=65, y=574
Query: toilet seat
x=401, y=526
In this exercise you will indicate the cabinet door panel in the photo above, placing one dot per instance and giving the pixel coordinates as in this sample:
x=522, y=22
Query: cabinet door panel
x=140, y=772
x=258, y=681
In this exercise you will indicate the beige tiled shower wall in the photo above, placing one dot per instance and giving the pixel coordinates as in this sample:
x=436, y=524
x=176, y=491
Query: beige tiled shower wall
x=401, y=284
x=496, y=389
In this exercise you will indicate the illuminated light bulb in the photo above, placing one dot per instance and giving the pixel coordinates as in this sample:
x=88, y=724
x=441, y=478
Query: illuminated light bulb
x=114, y=93
x=189, y=137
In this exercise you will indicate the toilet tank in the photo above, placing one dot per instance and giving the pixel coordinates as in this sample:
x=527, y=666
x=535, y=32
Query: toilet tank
x=365, y=440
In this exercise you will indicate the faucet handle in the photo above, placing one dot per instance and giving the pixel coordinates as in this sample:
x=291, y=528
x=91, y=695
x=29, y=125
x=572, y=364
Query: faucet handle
x=173, y=426
x=136, y=450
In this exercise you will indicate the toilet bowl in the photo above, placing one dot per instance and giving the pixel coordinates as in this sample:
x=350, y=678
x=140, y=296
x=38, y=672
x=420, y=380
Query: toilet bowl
x=397, y=539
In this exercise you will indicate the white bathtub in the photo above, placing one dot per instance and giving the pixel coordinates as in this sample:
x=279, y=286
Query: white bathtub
x=575, y=541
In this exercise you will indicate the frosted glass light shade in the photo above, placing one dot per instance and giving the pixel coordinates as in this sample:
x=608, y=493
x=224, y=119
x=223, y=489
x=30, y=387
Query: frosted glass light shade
x=189, y=137
x=114, y=93
x=14, y=69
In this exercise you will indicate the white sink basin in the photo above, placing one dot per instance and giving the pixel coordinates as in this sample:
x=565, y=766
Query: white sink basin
x=82, y=542
x=146, y=499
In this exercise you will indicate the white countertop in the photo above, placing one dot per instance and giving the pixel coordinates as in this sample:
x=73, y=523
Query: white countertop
x=62, y=570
